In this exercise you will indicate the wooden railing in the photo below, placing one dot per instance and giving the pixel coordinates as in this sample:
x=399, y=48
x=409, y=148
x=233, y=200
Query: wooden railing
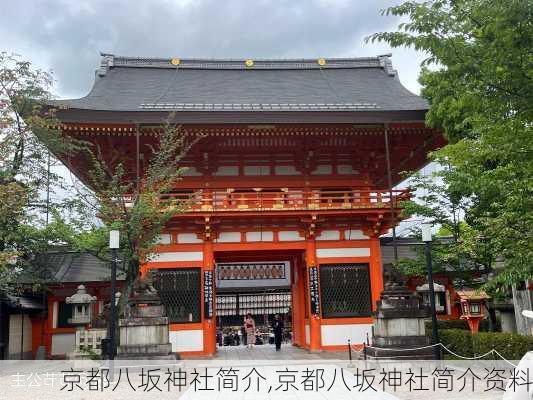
x=218, y=200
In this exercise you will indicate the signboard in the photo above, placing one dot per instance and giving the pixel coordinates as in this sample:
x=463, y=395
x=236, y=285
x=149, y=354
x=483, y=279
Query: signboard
x=256, y=274
x=314, y=294
x=208, y=294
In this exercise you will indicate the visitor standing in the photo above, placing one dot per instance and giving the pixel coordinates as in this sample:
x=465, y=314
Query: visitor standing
x=249, y=327
x=277, y=326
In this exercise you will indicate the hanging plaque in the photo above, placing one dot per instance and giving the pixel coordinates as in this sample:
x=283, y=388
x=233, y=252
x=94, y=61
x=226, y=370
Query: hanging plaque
x=255, y=274
x=314, y=294
x=208, y=294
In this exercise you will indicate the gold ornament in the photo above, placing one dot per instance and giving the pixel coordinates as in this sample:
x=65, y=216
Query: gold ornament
x=175, y=61
x=249, y=63
x=321, y=61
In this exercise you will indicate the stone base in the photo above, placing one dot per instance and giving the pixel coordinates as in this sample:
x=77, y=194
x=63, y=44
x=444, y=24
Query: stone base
x=144, y=336
x=401, y=342
x=170, y=357
x=401, y=347
x=145, y=349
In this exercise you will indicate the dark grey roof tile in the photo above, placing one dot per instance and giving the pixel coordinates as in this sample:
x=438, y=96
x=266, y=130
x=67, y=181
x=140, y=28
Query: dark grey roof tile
x=142, y=84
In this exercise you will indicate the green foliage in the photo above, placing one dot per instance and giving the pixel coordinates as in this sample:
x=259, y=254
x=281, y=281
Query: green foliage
x=459, y=249
x=25, y=128
x=461, y=324
x=510, y=345
x=478, y=78
x=139, y=209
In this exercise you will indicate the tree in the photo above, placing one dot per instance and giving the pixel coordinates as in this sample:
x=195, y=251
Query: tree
x=138, y=209
x=25, y=128
x=459, y=250
x=478, y=78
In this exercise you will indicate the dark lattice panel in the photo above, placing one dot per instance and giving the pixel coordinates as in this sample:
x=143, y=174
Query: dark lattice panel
x=345, y=290
x=180, y=293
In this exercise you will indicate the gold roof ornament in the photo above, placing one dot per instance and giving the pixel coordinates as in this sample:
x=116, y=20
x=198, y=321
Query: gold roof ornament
x=175, y=61
x=249, y=63
x=321, y=61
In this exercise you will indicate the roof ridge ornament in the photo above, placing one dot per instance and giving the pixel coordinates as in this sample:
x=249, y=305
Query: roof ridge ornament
x=110, y=60
x=107, y=61
x=386, y=64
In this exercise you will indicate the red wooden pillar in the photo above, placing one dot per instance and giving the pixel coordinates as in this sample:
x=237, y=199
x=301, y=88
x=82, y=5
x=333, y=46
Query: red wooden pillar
x=209, y=323
x=315, y=341
x=376, y=270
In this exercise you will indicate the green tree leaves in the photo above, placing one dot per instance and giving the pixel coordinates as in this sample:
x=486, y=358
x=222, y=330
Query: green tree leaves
x=478, y=77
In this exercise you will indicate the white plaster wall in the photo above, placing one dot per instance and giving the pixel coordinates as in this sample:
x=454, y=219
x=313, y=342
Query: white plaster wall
x=322, y=170
x=16, y=333
x=63, y=343
x=55, y=313
x=329, y=235
x=346, y=170
x=164, y=238
x=188, y=238
x=355, y=234
x=287, y=236
x=257, y=170
x=335, y=335
x=229, y=170
x=286, y=170
x=307, y=334
x=188, y=340
x=191, y=171
x=229, y=237
x=267, y=236
x=343, y=252
x=177, y=256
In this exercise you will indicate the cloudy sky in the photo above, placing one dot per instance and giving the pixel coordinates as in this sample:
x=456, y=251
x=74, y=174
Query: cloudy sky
x=66, y=36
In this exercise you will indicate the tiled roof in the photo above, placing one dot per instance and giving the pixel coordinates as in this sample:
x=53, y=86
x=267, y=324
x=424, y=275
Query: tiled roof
x=73, y=267
x=159, y=84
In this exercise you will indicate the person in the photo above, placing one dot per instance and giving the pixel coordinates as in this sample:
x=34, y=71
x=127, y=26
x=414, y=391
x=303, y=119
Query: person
x=249, y=326
x=243, y=335
x=277, y=326
x=524, y=367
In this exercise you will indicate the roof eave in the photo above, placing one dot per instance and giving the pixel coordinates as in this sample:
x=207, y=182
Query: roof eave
x=224, y=117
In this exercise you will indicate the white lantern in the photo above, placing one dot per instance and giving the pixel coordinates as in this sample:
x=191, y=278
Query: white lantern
x=81, y=306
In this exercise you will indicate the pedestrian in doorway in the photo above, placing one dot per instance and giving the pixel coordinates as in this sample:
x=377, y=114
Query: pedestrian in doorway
x=277, y=326
x=243, y=335
x=249, y=326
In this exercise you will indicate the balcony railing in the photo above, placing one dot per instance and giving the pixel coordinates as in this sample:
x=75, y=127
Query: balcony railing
x=286, y=199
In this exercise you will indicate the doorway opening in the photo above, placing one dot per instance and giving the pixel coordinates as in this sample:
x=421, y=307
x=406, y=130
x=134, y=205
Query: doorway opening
x=262, y=285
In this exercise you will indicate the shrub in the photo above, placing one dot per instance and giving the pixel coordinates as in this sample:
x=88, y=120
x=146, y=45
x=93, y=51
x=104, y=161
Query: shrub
x=462, y=324
x=510, y=345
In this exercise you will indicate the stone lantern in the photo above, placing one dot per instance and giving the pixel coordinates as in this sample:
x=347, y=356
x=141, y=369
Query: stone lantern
x=81, y=306
x=472, y=304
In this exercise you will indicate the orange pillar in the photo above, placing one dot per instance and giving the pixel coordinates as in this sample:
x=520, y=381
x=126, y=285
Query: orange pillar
x=209, y=322
x=315, y=341
x=376, y=270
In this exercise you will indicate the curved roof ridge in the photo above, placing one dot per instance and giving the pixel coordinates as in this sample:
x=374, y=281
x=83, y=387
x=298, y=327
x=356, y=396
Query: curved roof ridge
x=111, y=61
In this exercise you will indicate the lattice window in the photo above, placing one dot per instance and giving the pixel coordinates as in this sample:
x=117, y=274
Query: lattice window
x=64, y=312
x=180, y=292
x=345, y=290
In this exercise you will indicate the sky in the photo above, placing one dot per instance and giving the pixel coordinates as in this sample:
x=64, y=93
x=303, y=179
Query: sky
x=67, y=36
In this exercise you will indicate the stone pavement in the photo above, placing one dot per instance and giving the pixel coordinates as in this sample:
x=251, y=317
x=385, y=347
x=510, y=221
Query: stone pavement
x=268, y=352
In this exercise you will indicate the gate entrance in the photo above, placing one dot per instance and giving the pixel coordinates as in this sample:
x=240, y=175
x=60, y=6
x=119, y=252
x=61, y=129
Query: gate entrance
x=261, y=288
x=263, y=305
